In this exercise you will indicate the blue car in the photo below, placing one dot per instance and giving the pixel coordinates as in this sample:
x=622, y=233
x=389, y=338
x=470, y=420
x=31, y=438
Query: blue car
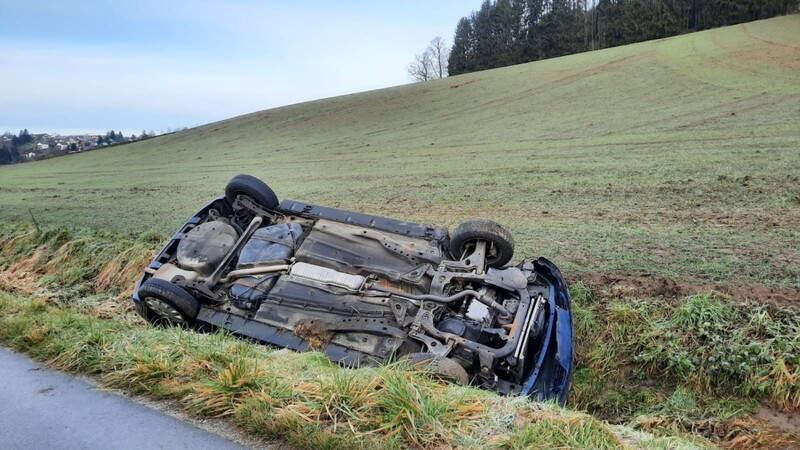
x=367, y=290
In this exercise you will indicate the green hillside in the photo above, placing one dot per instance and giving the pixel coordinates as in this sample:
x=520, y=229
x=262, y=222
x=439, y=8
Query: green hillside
x=678, y=157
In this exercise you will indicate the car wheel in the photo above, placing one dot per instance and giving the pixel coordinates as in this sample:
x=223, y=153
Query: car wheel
x=252, y=187
x=501, y=244
x=168, y=304
x=444, y=368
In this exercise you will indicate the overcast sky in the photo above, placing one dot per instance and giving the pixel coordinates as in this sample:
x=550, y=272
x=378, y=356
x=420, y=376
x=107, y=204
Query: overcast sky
x=84, y=66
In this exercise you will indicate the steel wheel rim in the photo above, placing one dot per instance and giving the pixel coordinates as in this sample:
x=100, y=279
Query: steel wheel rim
x=492, y=255
x=164, y=310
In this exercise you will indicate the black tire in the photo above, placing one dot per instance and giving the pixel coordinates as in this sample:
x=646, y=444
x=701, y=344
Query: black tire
x=252, y=187
x=439, y=366
x=501, y=244
x=168, y=304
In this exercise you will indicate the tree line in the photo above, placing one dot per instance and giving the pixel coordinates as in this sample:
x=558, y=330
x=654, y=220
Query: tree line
x=506, y=32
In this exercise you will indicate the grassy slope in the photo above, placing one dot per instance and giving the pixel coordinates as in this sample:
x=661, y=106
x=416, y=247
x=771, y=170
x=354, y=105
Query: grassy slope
x=676, y=157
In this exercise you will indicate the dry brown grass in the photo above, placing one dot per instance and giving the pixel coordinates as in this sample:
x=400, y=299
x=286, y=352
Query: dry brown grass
x=786, y=392
x=91, y=261
x=123, y=269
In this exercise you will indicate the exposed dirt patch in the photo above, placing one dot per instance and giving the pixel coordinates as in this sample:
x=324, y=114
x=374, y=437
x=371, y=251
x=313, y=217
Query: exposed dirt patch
x=786, y=421
x=737, y=433
x=458, y=85
x=646, y=285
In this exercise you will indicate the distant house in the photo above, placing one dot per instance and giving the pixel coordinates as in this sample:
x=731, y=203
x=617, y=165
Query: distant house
x=42, y=146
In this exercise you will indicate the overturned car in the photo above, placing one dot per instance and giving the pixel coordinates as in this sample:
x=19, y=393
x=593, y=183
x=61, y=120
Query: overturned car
x=366, y=290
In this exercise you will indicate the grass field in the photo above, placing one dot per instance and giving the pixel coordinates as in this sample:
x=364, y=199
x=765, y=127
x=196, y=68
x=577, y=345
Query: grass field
x=674, y=160
x=676, y=157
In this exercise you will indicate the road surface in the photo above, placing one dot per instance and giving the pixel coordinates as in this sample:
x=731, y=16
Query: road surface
x=43, y=409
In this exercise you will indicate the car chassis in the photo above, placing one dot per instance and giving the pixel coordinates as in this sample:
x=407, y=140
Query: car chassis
x=366, y=290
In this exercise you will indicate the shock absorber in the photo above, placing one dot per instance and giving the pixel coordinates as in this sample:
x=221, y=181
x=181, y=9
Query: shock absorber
x=241, y=217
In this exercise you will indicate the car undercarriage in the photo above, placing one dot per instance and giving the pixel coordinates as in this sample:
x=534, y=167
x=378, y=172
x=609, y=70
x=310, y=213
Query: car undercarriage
x=366, y=290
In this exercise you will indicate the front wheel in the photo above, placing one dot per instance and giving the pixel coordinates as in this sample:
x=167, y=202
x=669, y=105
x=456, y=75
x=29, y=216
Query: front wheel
x=439, y=366
x=168, y=304
x=500, y=246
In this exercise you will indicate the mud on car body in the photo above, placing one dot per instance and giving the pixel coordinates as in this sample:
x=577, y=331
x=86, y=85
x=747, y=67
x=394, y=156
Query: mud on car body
x=366, y=290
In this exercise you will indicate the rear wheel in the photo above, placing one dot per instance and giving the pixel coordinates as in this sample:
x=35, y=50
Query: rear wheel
x=500, y=246
x=252, y=187
x=168, y=304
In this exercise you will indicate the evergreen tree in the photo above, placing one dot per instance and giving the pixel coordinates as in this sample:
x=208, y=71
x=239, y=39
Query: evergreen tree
x=5, y=155
x=23, y=138
x=461, y=53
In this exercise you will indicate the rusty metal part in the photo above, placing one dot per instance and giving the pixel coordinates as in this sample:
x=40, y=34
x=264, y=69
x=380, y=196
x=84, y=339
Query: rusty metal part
x=400, y=287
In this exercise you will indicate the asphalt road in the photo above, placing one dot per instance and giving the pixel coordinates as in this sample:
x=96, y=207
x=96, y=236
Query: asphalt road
x=44, y=409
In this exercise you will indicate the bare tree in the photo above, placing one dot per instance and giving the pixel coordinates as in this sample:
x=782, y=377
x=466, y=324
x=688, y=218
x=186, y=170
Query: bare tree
x=422, y=67
x=440, y=53
x=432, y=63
